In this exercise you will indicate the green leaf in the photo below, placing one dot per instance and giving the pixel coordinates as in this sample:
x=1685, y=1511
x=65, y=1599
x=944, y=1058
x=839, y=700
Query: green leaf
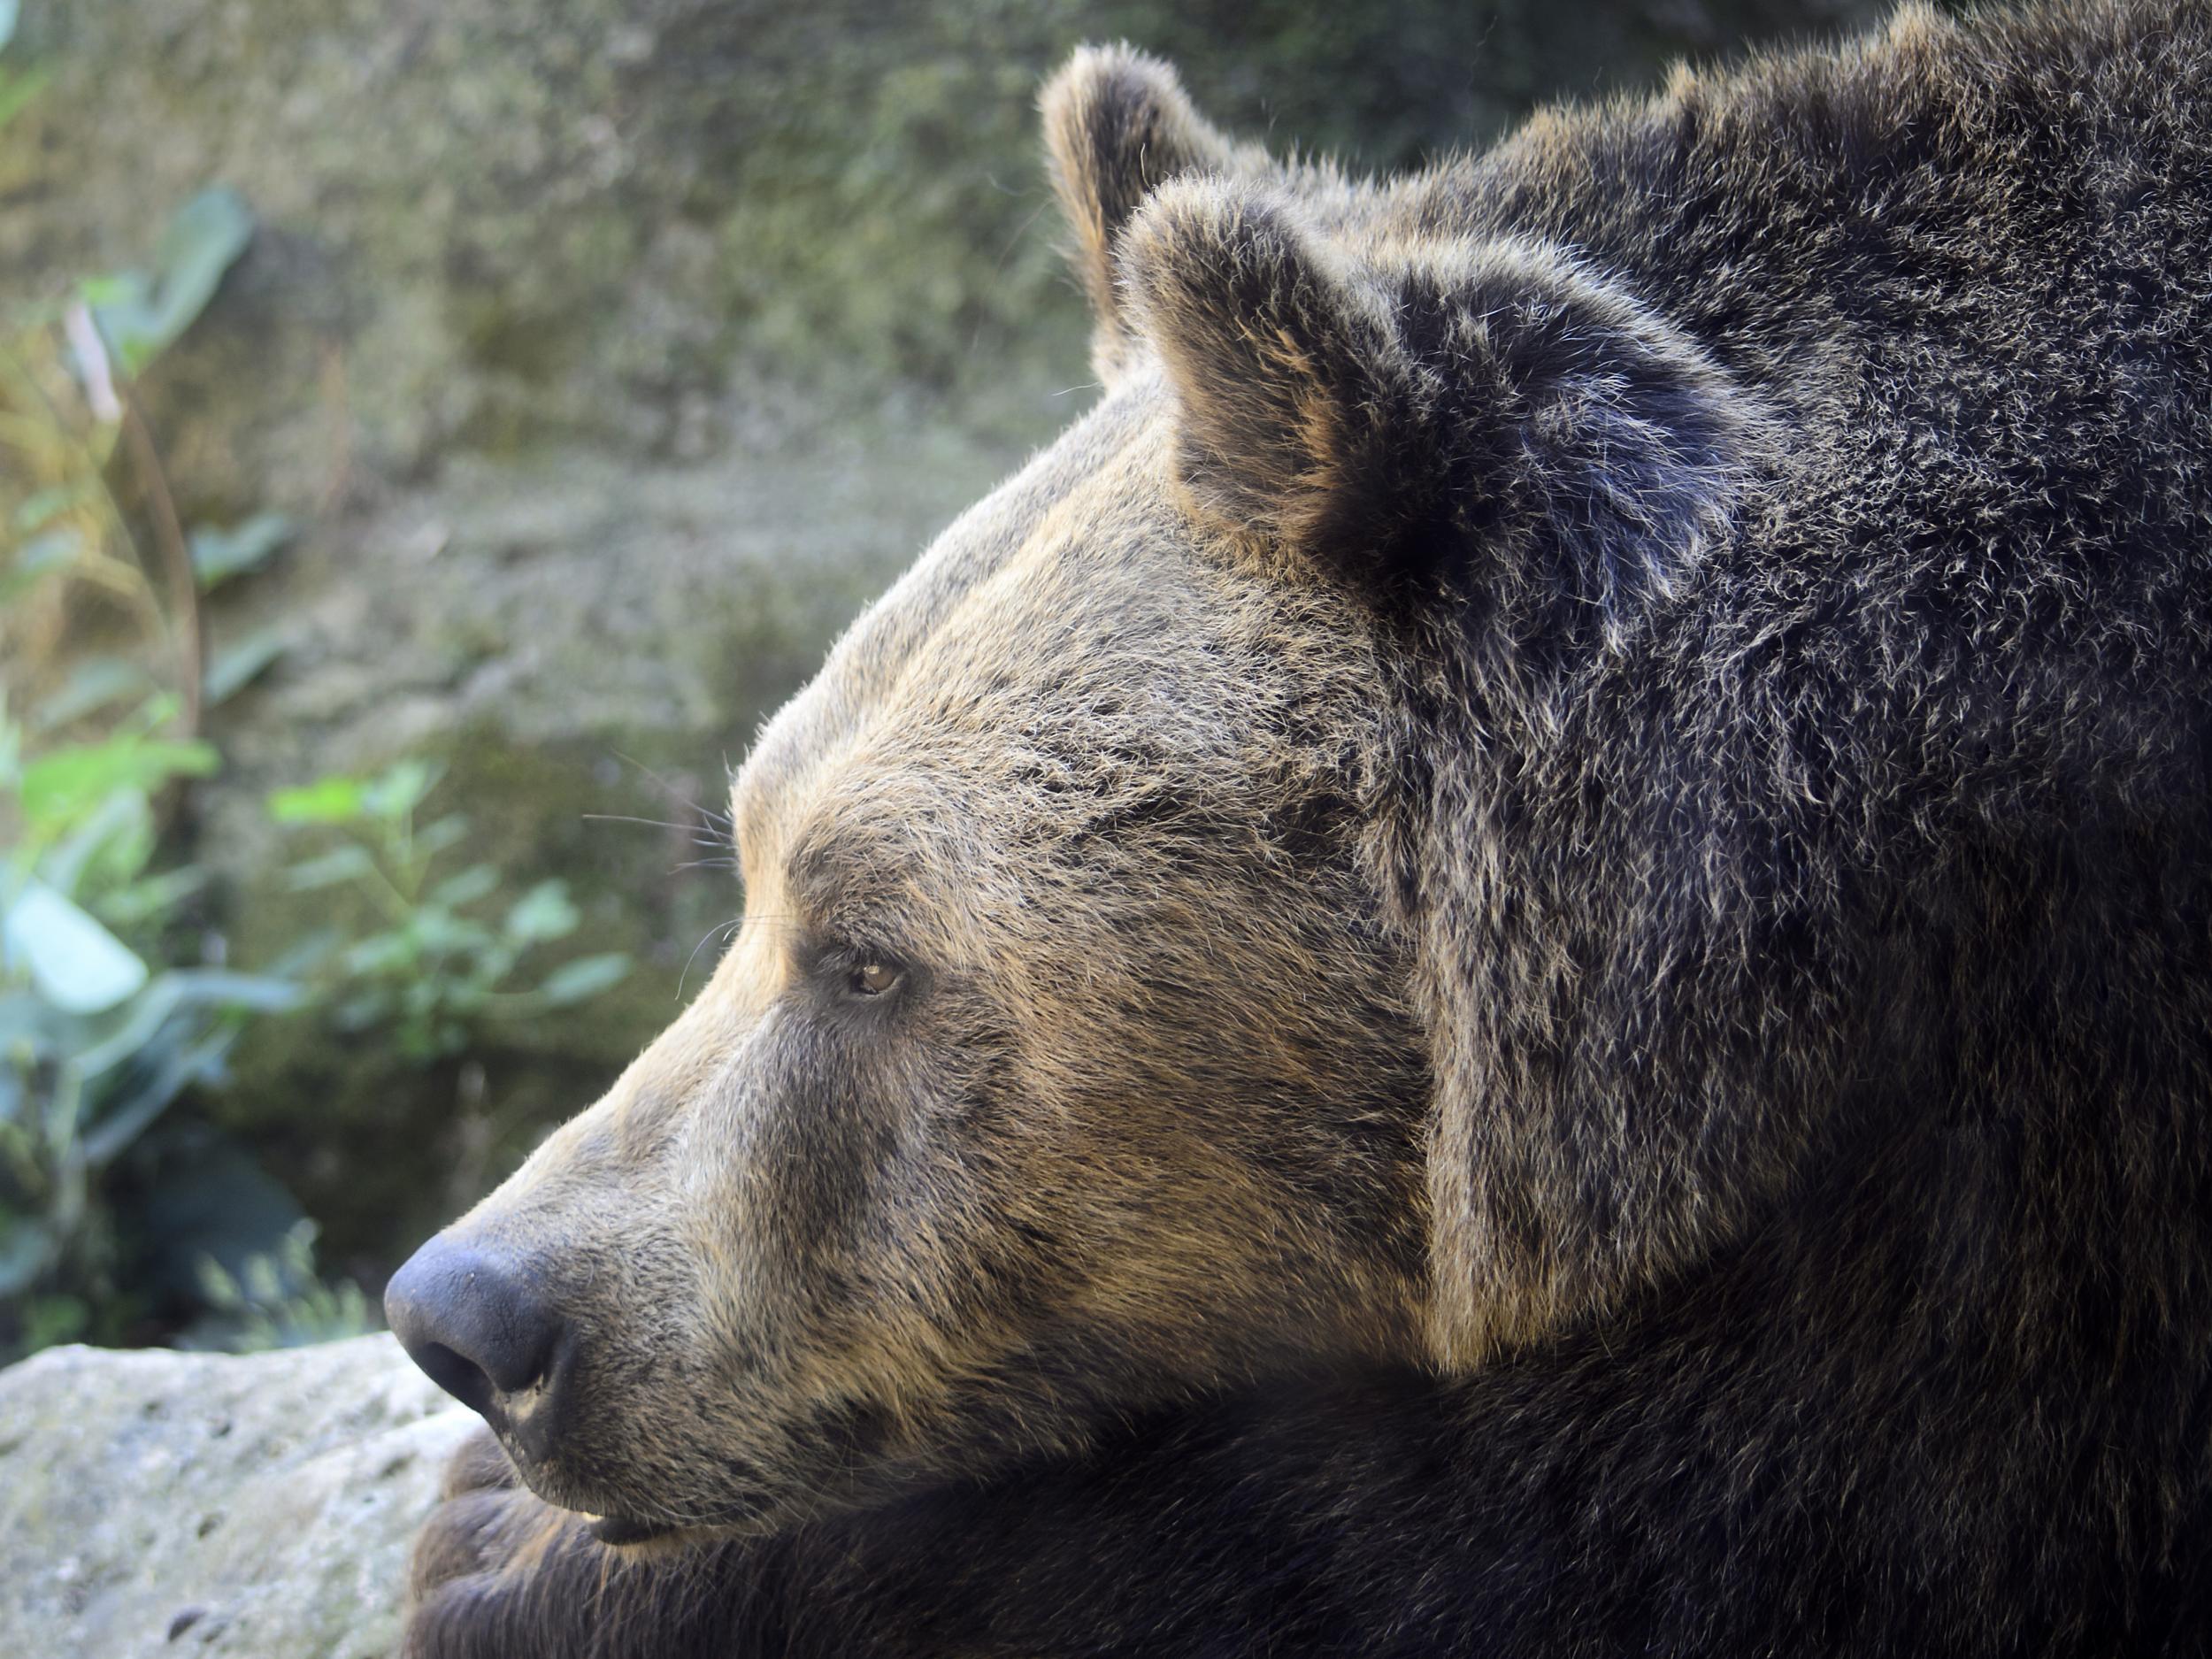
x=201, y=240
x=241, y=665
x=378, y=954
x=221, y=1289
x=585, y=978
x=543, y=913
x=115, y=289
x=76, y=964
x=448, y=832
x=221, y=987
x=58, y=788
x=41, y=507
x=306, y=953
x=122, y=307
x=18, y=87
x=152, y=895
x=28, y=1027
x=219, y=555
x=128, y=1037
x=333, y=800
x=400, y=791
x=340, y=865
x=47, y=554
x=467, y=888
x=114, y=840
x=439, y=930
x=165, y=997
x=132, y=1111
x=206, y=1196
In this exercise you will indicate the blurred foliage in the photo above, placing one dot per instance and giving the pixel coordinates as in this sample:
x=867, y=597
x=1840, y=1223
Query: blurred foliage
x=397, y=1144
x=433, y=974
x=276, y=1301
x=107, y=1019
x=18, y=85
x=118, y=1220
x=140, y=312
x=79, y=585
x=96, y=1043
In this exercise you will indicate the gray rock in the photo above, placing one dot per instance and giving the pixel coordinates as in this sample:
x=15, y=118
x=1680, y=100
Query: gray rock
x=163, y=1503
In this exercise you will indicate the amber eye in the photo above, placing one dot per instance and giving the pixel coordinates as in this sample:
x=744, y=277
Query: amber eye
x=873, y=979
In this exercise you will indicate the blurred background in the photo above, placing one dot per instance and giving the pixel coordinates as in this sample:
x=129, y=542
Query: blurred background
x=434, y=433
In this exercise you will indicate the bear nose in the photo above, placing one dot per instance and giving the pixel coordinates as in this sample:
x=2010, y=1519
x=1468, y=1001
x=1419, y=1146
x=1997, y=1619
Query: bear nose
x=473, y=1324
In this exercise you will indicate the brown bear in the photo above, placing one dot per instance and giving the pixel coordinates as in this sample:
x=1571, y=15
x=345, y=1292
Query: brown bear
x=1517, y=961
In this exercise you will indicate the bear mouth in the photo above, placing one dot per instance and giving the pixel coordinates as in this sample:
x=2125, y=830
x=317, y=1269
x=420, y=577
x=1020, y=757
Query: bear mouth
x=620, y=1529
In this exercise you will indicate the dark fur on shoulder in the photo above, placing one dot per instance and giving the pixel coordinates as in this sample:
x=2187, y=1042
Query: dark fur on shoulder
x=1517, y=962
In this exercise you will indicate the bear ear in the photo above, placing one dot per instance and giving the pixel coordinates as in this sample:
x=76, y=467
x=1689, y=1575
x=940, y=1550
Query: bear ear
x=1291, y=382
x=1118, y=125
x=1481, y=416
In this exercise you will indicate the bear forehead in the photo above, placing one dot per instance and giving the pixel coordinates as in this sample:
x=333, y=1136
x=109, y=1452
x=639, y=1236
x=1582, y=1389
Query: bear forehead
x=1067, y=646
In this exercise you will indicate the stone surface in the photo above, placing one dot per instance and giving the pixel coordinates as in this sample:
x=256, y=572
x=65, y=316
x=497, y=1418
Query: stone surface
x=165, y=1503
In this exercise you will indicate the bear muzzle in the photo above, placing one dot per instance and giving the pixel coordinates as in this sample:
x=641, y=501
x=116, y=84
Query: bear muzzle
x=495, y=1333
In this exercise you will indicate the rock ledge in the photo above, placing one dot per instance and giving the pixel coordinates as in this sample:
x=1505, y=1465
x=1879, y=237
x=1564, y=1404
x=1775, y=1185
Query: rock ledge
x=195, y=1503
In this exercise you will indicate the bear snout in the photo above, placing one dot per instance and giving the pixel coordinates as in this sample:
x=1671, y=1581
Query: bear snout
x=479, y=1329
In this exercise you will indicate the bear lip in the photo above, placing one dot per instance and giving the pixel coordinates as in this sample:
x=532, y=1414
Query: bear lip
x=620, y=1529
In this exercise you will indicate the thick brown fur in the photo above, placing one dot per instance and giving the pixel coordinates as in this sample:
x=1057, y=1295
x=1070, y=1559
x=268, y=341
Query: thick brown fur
x=1547, y=906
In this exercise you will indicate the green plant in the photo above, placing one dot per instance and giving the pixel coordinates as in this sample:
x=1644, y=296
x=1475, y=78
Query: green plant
x=95, y=1044
x=436, y=973
x=18, y=86
x=113, y=1005
x=277, y=1299
x=80, y=470
x=76, y=580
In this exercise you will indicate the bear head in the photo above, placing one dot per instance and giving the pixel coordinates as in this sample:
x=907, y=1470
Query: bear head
x=1128, y=992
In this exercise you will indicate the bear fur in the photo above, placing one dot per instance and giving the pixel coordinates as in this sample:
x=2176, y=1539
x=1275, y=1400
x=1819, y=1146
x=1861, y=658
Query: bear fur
x=1518, y=961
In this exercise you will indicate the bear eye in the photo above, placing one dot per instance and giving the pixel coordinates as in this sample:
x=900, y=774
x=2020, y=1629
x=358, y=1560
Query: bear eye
x=873, y=978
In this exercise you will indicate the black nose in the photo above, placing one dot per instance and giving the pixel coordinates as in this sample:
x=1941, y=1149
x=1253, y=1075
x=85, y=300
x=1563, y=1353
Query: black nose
x=474, y=1324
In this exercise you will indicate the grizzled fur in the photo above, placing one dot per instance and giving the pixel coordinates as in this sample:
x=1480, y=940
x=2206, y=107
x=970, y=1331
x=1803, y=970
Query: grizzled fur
x=1547, y=900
